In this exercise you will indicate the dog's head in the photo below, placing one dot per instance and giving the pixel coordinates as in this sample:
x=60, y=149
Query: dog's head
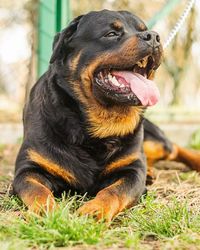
x=109, y=57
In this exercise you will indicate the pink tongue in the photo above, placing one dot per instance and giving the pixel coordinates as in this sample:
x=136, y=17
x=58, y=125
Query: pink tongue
x=145, y=90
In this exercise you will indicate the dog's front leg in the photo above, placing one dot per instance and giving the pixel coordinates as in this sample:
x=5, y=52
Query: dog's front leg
x=34, y=191
x=124, y=189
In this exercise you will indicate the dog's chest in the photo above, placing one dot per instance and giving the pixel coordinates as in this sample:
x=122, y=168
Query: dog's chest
x=102, y=150
x=112, y=146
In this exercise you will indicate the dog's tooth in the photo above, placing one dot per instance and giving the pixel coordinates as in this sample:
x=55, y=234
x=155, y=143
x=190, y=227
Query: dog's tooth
x=110, y=77
x=106, y=80
x=151, y=74
x=114, y=81
x=101, y=76
x=98, y=81
x=139, y=64
x=144, y=63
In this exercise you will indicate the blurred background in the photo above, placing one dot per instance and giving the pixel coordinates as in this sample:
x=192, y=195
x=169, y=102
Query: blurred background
x=27, y=28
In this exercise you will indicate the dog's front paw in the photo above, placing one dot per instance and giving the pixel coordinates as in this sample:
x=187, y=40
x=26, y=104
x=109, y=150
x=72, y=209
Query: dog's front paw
x=93, y=208
x=100, y=209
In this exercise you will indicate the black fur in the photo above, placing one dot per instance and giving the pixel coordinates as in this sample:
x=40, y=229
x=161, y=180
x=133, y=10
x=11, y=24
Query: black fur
x=154, y=133
x=55, y=119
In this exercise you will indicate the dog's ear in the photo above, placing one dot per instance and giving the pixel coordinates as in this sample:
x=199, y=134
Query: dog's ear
x=63, y=38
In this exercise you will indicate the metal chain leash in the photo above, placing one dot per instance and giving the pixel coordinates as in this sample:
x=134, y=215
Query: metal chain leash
x=179, y=23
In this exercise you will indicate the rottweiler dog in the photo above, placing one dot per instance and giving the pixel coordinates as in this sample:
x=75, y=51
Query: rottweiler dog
x=84, y=129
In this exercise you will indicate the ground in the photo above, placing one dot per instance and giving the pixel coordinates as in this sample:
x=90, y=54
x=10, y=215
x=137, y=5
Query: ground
x=168, y=218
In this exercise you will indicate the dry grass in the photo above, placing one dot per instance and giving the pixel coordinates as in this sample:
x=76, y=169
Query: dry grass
x=177, y=181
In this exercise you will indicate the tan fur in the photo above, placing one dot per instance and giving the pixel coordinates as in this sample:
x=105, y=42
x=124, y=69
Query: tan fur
x=188, y=156
x=74, y=62
x=142, y=26
x=108, y=202
x=117, y=25
x=154, y=150
x=152, y=75
x=103, y=121
x=126, y=160
x=51, y=167
x=38, y=197
x=118, y=122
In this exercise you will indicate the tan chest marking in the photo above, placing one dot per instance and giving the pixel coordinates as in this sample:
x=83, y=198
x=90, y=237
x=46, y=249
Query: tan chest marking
x=116, y=122
x=51, y=167
x=120, y=163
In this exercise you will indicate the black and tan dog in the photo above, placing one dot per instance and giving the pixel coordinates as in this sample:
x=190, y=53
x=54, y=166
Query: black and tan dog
x=83, y=124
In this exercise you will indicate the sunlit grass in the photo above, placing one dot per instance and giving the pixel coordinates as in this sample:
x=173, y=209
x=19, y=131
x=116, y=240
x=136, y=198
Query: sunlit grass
x=161, y=220
x=149, y=220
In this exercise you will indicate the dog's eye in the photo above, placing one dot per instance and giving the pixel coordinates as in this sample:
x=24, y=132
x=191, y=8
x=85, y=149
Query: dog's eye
x=111, y=34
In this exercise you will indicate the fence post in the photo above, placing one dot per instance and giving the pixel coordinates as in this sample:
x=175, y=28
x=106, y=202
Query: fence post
x=53, y=16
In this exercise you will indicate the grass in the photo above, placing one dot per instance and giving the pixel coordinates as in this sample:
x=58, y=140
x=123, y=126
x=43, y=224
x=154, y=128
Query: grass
x=195, y=140
x=167, y=218
x=60, y=228
x=149, y=221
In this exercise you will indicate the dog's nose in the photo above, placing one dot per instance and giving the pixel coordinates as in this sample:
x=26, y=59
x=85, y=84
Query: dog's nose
x=151, y=37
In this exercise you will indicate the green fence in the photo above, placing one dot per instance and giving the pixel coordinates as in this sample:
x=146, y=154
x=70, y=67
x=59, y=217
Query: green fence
x=53, y=16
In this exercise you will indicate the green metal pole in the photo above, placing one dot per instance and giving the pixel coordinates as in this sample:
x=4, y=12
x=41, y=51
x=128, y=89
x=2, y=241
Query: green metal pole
x=54, y=15
x=66, y=14
x=63, y=14
x=58, y=15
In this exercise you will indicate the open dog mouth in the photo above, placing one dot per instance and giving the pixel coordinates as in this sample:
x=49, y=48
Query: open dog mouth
x=131, y=84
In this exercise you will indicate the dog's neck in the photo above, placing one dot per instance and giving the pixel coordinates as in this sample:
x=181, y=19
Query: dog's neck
x=115, y=121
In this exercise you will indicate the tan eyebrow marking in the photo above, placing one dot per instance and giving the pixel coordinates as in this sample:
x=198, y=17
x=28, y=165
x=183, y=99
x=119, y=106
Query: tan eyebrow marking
x=117, y=25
